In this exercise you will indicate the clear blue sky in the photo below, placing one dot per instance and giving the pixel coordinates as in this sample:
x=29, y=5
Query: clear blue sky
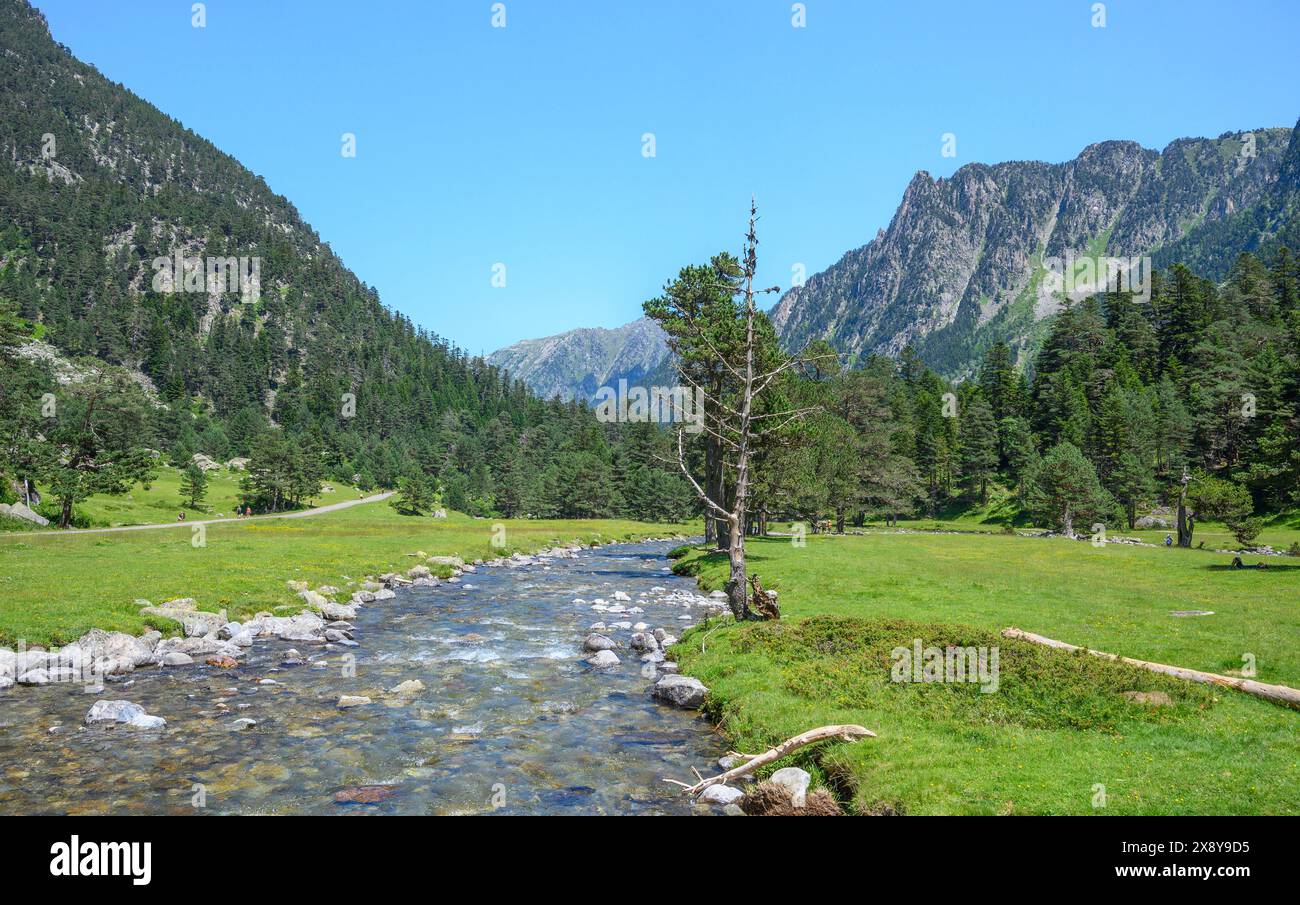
x=522, y=145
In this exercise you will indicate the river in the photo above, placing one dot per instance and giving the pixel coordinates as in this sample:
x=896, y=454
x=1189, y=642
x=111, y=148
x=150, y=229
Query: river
x=511, y=719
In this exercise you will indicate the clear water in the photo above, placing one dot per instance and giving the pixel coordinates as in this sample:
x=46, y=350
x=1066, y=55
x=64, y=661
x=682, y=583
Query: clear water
x=511, y=719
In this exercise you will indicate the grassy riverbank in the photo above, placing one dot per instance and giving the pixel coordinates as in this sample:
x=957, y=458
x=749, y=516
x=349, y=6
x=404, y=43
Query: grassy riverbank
x=55, y=587
x=1059, y=731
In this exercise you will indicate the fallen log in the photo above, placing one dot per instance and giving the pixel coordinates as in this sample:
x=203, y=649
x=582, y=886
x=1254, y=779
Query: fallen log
x=1278, y=694
x=847, y=733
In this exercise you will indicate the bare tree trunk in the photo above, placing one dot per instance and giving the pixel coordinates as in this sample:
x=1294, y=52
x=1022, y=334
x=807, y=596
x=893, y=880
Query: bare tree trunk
x=1186, y=523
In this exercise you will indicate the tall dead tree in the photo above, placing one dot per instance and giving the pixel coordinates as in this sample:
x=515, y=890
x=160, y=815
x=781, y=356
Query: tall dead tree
x=735, y=420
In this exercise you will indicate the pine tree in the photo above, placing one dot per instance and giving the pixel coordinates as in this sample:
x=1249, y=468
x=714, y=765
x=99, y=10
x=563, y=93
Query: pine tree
x=194, y=486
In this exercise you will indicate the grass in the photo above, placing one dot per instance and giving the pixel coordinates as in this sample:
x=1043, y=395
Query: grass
x=1058, y=729
x=53, y=588
x=161, y=501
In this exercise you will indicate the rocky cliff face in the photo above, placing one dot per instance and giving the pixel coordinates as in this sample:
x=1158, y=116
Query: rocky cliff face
x=960, y=264
x=578, y=363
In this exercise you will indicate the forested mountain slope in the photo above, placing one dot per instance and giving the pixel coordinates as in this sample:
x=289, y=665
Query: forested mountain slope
x=97, y=185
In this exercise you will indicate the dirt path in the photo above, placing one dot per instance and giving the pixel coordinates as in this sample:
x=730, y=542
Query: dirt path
x=301, y=513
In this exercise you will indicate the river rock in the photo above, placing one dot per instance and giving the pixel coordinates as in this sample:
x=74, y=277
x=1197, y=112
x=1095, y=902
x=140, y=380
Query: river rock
x=622, y=596
x=101, y=645
x=38, y=676
x=643, y=642
x=352, y=700
x=243, y=723
x=384, y=594
x=221, y=662
x=794, y=781
x=243, y=639
x=123, y=712
x=336, y=611
x=313, y=599
x=598, y=642
x=363, y=597
x=680, y=691
x=176, y=658
x=603, y=659
x=418, y=572
x=229, y=630
x=720, y=794
x=409, y=687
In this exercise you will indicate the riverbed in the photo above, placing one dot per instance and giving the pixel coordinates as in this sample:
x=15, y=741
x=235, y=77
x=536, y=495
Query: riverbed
x=511, y=719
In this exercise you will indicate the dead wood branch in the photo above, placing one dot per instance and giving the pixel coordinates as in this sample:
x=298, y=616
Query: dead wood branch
x=1279, y=694
x=847, y=733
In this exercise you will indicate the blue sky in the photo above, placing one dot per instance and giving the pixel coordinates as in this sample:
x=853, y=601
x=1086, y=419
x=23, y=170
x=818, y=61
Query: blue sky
x=523, y=145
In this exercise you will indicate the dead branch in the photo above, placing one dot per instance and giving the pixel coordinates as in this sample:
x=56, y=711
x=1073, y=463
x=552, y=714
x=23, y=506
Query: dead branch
x=847, y=733
x=1278, y=694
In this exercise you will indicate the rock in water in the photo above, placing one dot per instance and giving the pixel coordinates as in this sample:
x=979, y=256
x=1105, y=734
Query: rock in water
x=352, y=700
x=598, y=642
x=123, y=712
x=409, y=687
x=643, y=642
x=680, y=691
x=603, y=659
x=720, y=794
x=365, y=794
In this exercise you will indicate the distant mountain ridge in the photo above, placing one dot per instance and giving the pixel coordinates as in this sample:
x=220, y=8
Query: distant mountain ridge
x=961, y=262
x=577, y=363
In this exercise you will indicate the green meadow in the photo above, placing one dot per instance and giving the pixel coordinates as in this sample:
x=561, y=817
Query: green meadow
x=54, y=587
x=1059, y=735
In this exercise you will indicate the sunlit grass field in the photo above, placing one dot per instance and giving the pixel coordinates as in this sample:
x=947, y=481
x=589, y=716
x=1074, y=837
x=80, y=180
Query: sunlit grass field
x=54, y=587
x=1059, y=731
x=161, y=501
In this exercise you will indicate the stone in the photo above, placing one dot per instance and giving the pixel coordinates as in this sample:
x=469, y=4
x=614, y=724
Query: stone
x=734, y=810
x=794, y=781
x=720, y=794
x=668, y=666
x=621, y=596
x=21, y=511
x=313, y=599
x=123, y=712
x=409, y=687
x=100, y=645
x=222, y=662
x=598, y=642
x=296, y=586
x=176, y=658
x=361, y=597
x=1151, y=698
x=229, y=630
x=418, y=572
x=384, y=594
x=243, y=723
x=337, y=611
x=37, y=676
x=643, y=642
x=603, y=659
x=680, y=691
x=243, y=639
x=365, y=794
x=337, y=635
x=352, y=700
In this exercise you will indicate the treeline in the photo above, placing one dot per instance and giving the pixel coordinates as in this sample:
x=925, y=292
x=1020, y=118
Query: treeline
x=1191, y=396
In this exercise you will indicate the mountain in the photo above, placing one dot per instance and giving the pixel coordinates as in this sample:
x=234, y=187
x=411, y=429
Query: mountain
x=128, y=240
x=574, y=365
x=961, y=263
